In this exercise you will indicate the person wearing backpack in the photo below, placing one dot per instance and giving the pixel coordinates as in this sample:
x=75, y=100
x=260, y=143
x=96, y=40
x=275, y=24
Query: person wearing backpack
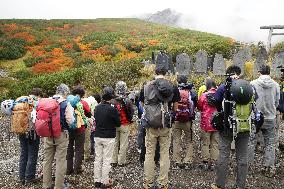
x=126, y=111
x=160, y=98
x=56, y=147
x=209, y=136
x=107, y=120
x=226, y=96
x=77, y=135
x=268, y=99
x=183, y=123
x=29, y=145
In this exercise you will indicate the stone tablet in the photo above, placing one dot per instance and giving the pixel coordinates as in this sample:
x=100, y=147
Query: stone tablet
x=162, y=60
x=241, y=57
x=277, y=61
x=200, y=66
x=219, y=65
x=171, y=65
x=261, y=58
x=183, y=64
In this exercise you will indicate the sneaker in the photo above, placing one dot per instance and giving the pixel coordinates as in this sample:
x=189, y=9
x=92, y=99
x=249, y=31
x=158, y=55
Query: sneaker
x=212, y=167
x=107, y=185
x=164, y=187
x=213, y=186
x=121, y=165
x=147, y=186
x=113, y=164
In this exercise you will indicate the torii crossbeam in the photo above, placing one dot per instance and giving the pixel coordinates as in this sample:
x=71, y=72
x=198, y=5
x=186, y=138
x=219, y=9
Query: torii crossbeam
x=271, y=28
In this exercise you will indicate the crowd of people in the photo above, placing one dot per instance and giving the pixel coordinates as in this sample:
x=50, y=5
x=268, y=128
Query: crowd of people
x=99, y=125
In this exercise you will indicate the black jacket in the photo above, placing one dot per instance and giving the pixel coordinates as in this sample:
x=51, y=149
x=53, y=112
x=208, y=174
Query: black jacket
x=107, y=119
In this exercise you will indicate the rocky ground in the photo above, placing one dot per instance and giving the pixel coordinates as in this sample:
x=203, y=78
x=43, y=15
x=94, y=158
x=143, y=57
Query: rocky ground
x=131, y=176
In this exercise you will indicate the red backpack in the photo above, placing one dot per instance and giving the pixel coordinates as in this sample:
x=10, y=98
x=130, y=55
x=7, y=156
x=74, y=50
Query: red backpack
x=185, y=111
x=48, y=118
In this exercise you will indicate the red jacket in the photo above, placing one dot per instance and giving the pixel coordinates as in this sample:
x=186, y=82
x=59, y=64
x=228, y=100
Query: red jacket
x=87, y=111
x=206, y=112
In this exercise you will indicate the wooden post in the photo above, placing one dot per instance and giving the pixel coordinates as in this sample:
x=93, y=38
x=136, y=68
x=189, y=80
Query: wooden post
x=269, y=38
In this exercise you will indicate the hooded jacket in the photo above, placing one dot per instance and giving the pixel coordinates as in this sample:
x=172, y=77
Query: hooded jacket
x=268, y=92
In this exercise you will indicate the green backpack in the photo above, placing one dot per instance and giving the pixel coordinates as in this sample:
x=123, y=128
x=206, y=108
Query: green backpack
x=80, y=108
x=243, y=115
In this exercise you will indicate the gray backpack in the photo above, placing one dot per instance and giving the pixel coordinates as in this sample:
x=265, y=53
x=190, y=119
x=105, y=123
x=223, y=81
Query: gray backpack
x=158, y=94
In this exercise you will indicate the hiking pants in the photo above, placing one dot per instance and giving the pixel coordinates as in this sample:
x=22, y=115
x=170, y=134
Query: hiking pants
x=75, y=139
x=152, y=137
x=140, y=135
x=87, y=143
x=121, y=145
x=28, y=158
x=104, y=149
x=209, y=146
x=268, y=131
x=55, y=148
x=143, y=149
x=241, y=144
x=278, y=122
x=92, y=142
x=178, y=128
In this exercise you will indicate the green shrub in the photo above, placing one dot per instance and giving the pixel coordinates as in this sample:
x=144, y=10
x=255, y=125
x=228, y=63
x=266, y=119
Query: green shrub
x=23, y=74
x=108, y=73
x=31, y=61
x=279, y=47
x=48, y=83
x=12, y=48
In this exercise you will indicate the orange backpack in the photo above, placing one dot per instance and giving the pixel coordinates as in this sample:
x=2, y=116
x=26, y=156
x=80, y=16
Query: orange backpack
x=21, y=115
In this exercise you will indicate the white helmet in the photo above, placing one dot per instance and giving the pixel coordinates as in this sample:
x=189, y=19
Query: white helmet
x=7, y=106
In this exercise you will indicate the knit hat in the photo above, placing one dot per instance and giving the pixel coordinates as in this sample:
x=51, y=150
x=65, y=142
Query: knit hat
x=108, y=93
x=120, y=87
x=62, y=89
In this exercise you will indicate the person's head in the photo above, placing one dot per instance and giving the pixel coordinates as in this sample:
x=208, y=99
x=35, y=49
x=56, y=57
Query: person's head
x=63, y=90
x=107, y=94
x=264, y=70
x=160, y=70
x=98, y=97
x=182, y=79
x=121, y=88
x=78, y=90
x=210, y=83
x=37, y=92
x=234, y=70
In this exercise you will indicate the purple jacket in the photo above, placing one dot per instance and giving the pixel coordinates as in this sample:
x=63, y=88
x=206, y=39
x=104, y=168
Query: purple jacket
x=206, y=112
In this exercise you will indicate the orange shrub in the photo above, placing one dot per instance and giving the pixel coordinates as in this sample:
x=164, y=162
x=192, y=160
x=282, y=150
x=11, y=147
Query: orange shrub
x=25, y=35
x=46, y=68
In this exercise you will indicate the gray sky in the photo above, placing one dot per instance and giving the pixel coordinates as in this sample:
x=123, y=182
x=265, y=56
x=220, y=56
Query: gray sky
x=239, y=19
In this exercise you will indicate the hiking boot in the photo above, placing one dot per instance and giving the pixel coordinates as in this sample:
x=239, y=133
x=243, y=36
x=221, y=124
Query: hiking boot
x=32, y=180
x=187, y=166
x=69, y=172
x=269, y=171
x=213, y=186
x=212, y=167
x=121, y=165
x=176, y=166
x=98, y=184
x=79, y=171
x=205, y=165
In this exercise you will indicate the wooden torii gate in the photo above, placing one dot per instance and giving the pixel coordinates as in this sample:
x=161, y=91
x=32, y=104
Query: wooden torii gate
x=271, y=28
